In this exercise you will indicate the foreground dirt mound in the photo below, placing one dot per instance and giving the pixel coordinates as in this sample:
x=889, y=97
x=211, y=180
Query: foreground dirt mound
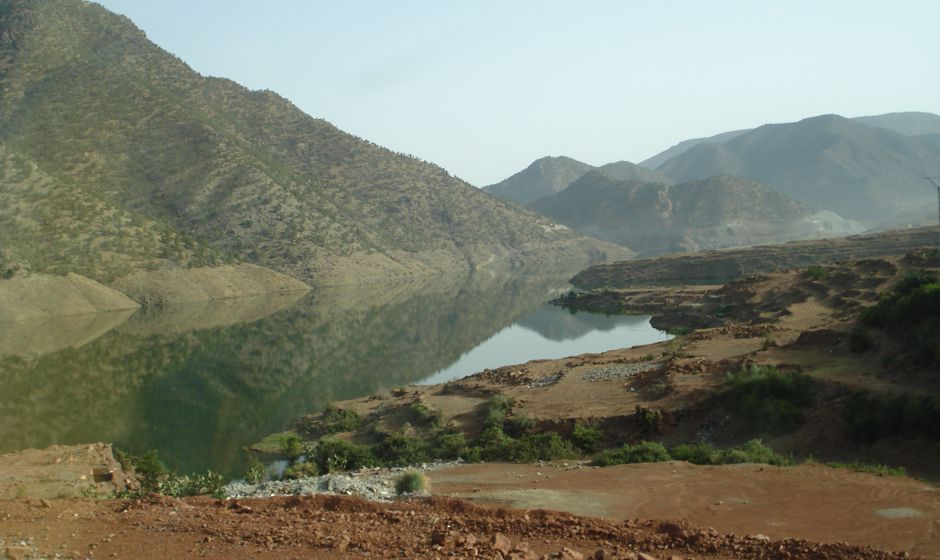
x=344, y=527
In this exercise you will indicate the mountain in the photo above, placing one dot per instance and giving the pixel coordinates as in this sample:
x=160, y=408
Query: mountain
x=829, y=162
x=656, y=218
x=543, y=177
x=117, y=157
x=550, y=175
x=664, y=156
x=909, y=123
x=626, y=171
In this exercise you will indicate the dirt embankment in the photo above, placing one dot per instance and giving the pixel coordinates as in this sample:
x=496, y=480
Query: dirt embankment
x=164, y=287
x=40, y=296
x=346, y=527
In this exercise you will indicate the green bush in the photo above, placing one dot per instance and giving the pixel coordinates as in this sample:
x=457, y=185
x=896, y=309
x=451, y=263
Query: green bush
x=411, y=481
x=695, y=453
x=449, y=446
x=292, y=446
x=753, y=451
x=870, y=416
x=911, y=314
x=643, y=452
x=150, y=471
x=301, y=470
x=816, y=272
x=766, y=399
x=337, y=419
x=587, y=437
x=400, y=450
x=336, y=455
x=255, y=472
x=519, y=425
x=497, y=408
x=424, y=414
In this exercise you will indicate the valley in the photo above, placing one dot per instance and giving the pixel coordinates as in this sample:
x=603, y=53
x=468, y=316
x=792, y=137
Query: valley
x=240, y=323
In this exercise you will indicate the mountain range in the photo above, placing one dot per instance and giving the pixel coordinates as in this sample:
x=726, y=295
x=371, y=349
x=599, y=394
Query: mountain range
x=911, y=123
x=117, y=157
x=846, y=175
x=658, y=218
x=549, y=175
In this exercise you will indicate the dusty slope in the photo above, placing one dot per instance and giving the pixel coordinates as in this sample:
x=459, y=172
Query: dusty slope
x=40, y=296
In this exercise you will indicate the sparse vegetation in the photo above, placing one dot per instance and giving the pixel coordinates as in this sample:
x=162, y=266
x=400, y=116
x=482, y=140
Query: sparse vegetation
x=155, y=477
x=816, y=272
x=872, y=416
x=411, y=482
x=765, y=399
x=754, y=451
x=911, y=315
x=586, y=437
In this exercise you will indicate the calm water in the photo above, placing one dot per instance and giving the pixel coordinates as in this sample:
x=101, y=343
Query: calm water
x=201, y=382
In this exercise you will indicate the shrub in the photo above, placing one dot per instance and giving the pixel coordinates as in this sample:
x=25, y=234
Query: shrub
x=870, y=417
x=643, y=452
x=424, y=414
x=695, y=453
x=519, y=425
x=497, y=408
x=292, y=446
x=450, y=445
x=753, y=451
x=860, y=341
x=767, y=399
x=400, y=449
x=911, y=313
x=301, y=470
x=816, y=272
x=255, y=472
x=150, y=470
x=334, y=455
x=586, y=437
x=337, y=419
x=411, y=481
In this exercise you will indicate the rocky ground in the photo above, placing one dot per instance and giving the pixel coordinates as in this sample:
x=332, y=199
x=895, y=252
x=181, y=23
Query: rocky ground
x=346, y=527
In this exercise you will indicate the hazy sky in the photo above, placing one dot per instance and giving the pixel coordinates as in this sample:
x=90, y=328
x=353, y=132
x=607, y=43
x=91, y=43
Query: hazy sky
x=484, y=87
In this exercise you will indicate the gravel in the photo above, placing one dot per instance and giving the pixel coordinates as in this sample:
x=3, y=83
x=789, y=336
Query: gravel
x=371, y=484
x=617, y=371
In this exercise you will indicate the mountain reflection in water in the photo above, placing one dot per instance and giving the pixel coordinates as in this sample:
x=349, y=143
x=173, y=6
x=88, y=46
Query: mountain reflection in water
x=199, y=383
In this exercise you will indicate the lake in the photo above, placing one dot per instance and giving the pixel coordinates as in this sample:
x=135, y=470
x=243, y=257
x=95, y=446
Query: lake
x=200, y=382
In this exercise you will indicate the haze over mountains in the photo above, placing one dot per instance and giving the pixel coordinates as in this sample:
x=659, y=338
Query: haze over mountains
x=845, y=175
x=657, y=218
x=550, y=175
x=116, y=157
x=829, y=162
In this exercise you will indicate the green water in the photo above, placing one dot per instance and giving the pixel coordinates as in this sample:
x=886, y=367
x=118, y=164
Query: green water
x=200, y=382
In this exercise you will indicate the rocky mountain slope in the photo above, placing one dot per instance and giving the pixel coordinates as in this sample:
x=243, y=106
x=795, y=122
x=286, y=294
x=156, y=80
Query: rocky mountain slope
x=549, y=175
x=655, y=218
x=829, y=162
x=543, y=177
x=118, y=157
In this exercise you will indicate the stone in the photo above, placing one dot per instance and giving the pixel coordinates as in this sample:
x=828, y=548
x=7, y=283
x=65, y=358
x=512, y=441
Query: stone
x=501, y=544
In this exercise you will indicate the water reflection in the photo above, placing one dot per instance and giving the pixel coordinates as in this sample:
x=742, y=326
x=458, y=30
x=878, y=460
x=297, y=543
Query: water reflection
x=199, y=383
x=549, y=333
